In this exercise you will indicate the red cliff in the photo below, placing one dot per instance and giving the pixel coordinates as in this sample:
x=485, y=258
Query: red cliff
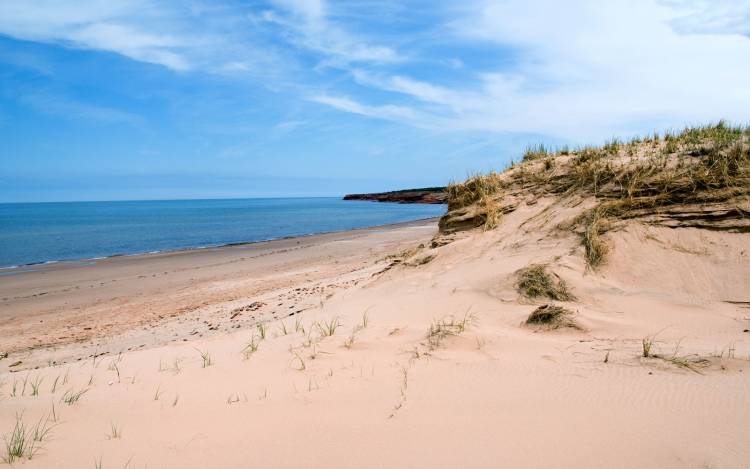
x=426, y=195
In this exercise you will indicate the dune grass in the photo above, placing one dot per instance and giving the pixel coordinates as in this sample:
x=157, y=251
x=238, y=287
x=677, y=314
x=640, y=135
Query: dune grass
x=71, y=397
x=697, y=165
x=647, y=345
x=595, y=246
x=115, y=432
x=472, y=190
x=692, y=362
x=440, y=329
x=250, y=347
x=535, y=152
x=328, y=328
x=261, y=327
x=553, y=317
x=301, y=366
x=534, y=281
x=35, y=383
x=19, y=443
x=206, y=360
x=24, y=442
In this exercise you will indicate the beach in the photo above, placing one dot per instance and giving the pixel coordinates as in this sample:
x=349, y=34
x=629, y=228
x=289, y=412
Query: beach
x=397, y=346
x=102, y=306
x=485, y=234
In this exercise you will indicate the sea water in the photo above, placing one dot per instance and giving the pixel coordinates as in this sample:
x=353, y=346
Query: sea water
x=32, y=233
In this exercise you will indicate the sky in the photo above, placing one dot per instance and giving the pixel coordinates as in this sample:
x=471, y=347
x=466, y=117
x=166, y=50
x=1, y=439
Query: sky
x=165, y=99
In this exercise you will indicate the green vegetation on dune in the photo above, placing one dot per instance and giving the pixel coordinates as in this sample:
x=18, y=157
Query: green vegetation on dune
x=698, y=166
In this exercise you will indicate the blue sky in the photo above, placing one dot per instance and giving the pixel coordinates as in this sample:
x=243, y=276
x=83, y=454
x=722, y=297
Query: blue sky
x=107, y=100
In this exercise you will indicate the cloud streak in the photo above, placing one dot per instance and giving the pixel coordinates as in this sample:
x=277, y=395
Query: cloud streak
x=584, y=69
x=614, y=67
x=110, y=26
x=56, y=105
x=307, y=25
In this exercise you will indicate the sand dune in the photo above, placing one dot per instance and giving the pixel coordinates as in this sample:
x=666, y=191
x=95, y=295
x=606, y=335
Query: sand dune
x=424, y=359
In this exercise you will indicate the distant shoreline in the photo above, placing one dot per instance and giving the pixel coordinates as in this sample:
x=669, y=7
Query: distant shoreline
x=422, y=195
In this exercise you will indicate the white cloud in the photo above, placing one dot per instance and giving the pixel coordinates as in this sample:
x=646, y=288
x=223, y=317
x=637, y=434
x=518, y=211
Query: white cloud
x=712, y=16
x=307, y=25
x=589, y=69
x=112, y=26
x=585, y=69
x=132, y=43
x=388, y=111
x=199, y=35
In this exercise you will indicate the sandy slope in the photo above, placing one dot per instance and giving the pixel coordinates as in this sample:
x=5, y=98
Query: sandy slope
x=499, y=394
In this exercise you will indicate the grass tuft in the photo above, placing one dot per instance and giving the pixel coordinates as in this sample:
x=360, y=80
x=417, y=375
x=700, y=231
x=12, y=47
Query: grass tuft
x=535, y=152
x=596, y=247
x=647, y=345
x=553, y=317
x=206, y=359
x=35, y=385
x=251, y=347
x=535, y=281
x=71, y=397
x=328, y=328
x=261, y=330
x=472, y=190
x=441, y=329
x=24, y=442
x=115, y=432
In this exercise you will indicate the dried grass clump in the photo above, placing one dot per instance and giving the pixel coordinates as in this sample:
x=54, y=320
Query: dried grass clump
x=493, y=214
x=474, y=189
x=596, y=247
x=681, y=168
x=553, y=317
x=590, y=171
x=534, y=281
x=723, y=167
x=692, y=362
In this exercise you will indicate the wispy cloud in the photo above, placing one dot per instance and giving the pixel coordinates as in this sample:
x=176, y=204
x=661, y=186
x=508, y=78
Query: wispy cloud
x=392, y=112
x=307, y=25
x=213, y=37
x=94, y=24
x=57, y=105
x=586, y=69
x=712, y=16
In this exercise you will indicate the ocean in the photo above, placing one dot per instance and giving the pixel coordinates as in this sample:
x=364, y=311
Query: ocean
x=32, y=233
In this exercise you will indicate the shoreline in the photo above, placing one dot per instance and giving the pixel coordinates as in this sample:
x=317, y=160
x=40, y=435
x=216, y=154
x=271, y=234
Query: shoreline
x=128, y=302
x=34, y=266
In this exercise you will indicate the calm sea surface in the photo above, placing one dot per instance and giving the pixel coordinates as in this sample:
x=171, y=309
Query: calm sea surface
x=43, y=232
